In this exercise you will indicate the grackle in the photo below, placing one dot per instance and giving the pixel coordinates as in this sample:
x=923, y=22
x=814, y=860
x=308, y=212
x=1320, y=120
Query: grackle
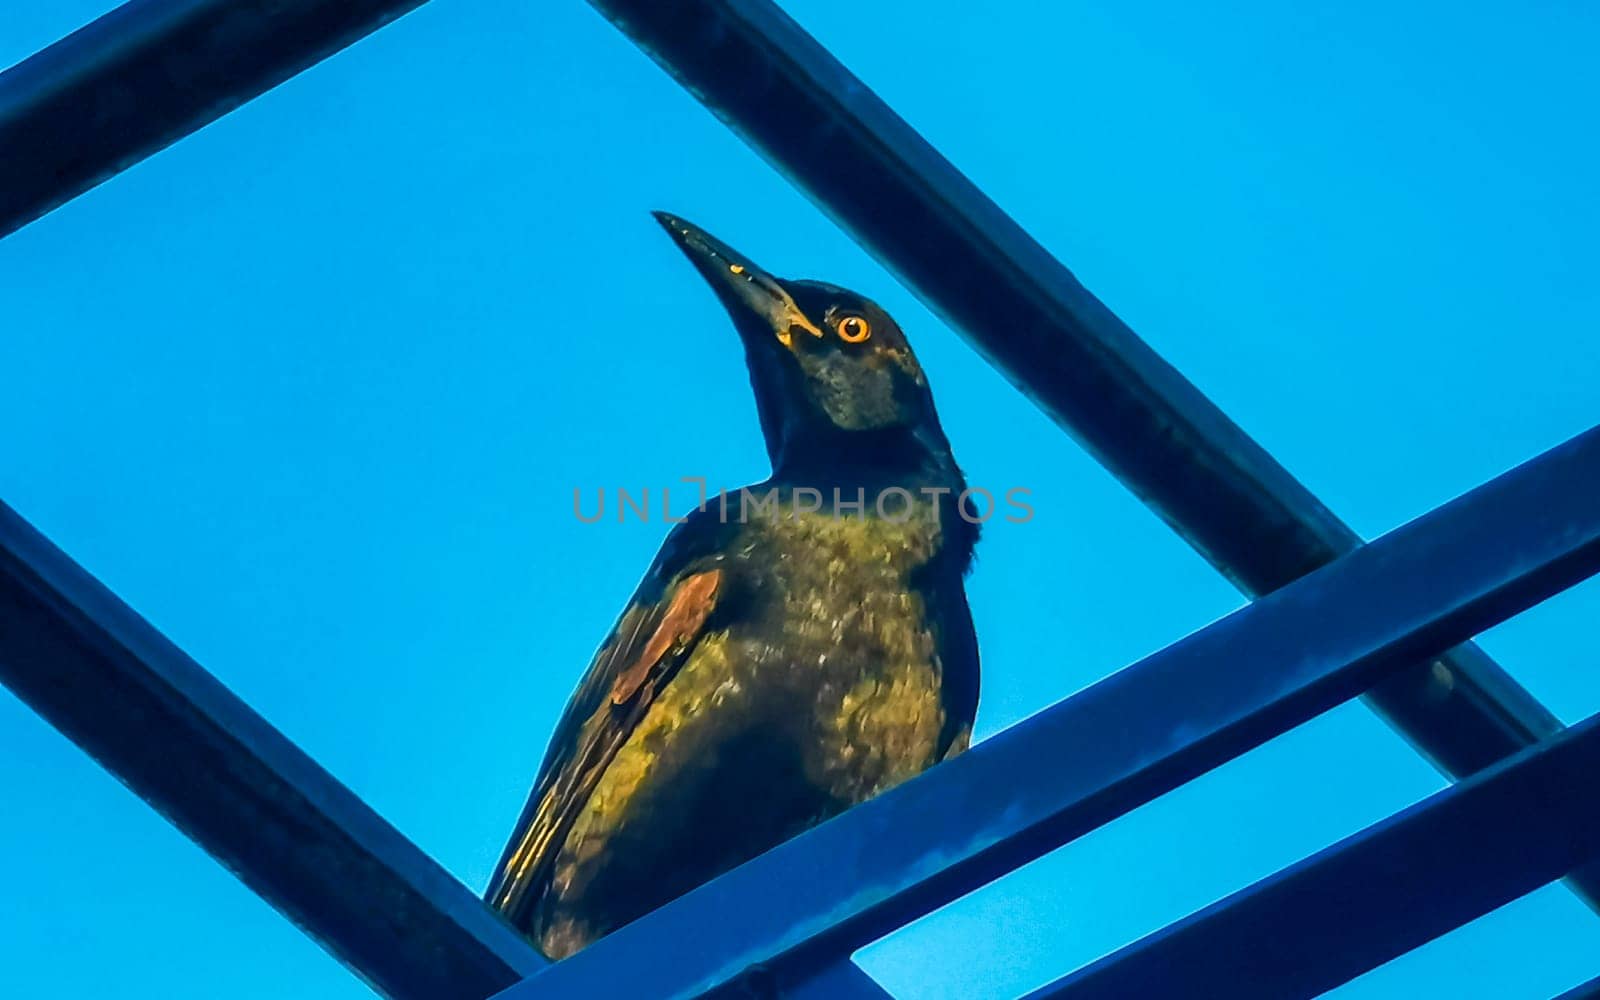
x=795, y=648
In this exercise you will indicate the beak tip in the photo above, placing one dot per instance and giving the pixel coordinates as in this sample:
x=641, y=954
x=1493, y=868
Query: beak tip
x=682, y=233
x=747, y=291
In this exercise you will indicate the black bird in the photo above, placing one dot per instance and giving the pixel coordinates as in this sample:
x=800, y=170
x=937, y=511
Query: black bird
x=784, y=658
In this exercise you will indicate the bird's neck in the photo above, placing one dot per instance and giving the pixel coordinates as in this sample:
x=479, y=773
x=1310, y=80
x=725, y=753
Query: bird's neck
x=906, y=456
x=857, y=469
x=869, y=471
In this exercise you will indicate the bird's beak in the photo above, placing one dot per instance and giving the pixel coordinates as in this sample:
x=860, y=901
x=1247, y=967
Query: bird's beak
x=748, y=292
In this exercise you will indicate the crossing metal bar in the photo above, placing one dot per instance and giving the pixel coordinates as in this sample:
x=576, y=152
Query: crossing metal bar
x=1134, y=736
x=837, y=981
x=147, y=74
x=102, y=675
x=800, y=108
x=1583, y=991
x=1375, y=896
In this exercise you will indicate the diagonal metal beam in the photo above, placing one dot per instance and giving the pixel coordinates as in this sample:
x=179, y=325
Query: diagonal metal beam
x=796, y=105
x=1118, y=744
x=1393, y=887
x=169, y=731
x=147, y=74
x=838, y=981
x=1583, y=991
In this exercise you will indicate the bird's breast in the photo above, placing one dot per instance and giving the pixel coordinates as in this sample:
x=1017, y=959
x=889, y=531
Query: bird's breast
x=842, y=632
x=821, y=689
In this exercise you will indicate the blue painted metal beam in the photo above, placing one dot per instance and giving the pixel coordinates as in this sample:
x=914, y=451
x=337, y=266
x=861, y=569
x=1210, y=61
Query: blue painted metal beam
x=837, y=981
x=1134, y=736
x=147, y=74
x=1393, y=887
x=91, y=667
x=799, y=107
x=1584, y=991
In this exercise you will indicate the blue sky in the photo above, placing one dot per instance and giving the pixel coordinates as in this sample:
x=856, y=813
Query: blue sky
x=312, y=389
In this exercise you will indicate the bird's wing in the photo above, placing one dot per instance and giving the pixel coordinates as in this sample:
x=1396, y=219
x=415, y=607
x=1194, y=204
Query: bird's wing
x=652, y=639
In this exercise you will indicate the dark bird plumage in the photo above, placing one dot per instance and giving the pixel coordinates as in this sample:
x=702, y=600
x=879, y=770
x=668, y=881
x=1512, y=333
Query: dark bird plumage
x=778, y=664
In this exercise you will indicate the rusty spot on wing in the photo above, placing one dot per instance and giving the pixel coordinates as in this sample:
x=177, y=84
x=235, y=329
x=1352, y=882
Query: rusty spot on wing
x=691, y=606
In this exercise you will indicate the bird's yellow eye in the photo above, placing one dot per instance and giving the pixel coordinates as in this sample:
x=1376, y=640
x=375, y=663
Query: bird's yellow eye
x=854, y=329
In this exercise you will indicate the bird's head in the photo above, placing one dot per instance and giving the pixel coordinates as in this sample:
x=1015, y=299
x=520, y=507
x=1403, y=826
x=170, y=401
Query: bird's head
x=830, y=368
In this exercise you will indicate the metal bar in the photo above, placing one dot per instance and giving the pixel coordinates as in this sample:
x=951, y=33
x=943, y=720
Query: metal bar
x=1134, y=736
x=1583, y=991
x=1393, y=887
x=147, y=74
x=796, y=105
x=98, y=672
x=836, y=981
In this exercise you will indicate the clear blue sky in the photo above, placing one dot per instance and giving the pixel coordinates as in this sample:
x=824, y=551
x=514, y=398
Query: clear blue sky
x=312, y=389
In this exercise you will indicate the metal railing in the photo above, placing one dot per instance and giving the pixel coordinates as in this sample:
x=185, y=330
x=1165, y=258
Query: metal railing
x=152, y=71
